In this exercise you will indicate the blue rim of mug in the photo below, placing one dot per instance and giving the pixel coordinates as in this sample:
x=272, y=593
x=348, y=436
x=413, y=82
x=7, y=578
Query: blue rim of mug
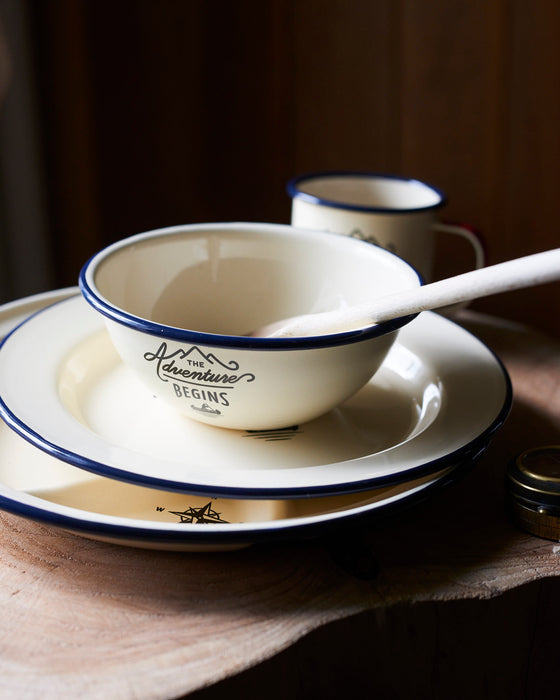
x=294, y=190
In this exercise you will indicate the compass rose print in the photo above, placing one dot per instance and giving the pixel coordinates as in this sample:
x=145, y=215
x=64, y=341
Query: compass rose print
x=204, y=515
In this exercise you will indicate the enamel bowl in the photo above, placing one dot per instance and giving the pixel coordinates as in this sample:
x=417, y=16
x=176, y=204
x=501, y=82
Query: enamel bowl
x=179, y=302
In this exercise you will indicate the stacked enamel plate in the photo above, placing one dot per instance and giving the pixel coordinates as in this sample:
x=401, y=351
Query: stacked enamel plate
x=85, y=447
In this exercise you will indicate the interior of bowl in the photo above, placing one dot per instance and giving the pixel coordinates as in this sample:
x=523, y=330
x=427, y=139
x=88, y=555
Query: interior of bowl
x=229, y=280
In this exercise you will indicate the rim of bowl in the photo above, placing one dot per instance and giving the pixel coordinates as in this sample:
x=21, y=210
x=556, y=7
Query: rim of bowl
x=115, y=313
x=294, y=191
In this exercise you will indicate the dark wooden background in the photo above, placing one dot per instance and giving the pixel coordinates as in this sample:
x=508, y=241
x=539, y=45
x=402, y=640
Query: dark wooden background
x=180, y=111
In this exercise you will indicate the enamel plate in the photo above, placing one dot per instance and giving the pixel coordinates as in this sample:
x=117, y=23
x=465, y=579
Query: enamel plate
x=37, y=485
x=63, y=387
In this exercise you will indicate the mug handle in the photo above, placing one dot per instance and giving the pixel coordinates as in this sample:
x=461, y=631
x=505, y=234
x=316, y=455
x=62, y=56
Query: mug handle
x=476, y=241
x=470, y=234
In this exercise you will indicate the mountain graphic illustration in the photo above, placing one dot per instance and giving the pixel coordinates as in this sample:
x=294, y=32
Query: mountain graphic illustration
x=209, y=357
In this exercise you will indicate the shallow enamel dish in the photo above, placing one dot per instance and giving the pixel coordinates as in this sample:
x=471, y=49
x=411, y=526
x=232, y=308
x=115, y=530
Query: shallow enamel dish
x=439, y=397
x=41, y=488
x=35, y=485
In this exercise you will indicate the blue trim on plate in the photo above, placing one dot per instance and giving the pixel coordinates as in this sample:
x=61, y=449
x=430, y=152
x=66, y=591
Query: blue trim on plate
x=355, y=486
x=37, y=312
x=209, y=535
x=294, y=191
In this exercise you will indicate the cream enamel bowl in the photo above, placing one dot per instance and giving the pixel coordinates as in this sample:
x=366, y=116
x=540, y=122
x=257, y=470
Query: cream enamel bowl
x=178, y=303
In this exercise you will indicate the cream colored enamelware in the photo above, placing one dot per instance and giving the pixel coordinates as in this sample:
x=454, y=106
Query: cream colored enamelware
x=178, y=302
x=396, y=213
x=35, y=484
x=438, y=390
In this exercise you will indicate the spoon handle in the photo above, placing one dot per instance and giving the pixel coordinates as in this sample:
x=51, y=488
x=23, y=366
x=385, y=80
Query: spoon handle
x=528, y=271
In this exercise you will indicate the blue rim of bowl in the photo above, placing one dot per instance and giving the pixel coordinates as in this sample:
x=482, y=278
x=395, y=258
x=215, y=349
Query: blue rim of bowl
x=138, y=323
x=293, y=188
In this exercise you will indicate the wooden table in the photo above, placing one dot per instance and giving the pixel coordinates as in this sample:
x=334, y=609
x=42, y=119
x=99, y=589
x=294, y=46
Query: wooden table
x=448, y=595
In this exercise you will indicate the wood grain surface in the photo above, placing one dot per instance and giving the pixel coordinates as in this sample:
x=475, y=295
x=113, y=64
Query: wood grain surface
x=87, y=619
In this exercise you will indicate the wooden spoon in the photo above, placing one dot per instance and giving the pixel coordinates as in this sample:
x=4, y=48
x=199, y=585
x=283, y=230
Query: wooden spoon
x=528, y=271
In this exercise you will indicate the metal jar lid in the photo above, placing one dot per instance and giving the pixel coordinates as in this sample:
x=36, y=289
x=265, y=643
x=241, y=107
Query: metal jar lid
x=533, y=484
